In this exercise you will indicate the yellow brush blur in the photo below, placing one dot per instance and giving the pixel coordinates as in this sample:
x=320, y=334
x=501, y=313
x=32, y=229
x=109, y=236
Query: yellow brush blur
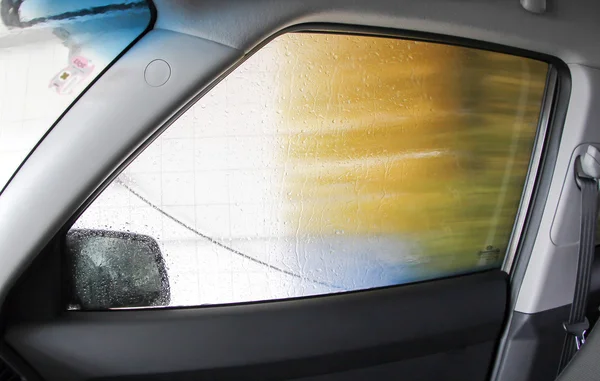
x=426, y=141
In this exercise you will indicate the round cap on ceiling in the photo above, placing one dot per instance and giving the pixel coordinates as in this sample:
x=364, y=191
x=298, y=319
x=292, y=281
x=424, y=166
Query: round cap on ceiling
x=157, y=73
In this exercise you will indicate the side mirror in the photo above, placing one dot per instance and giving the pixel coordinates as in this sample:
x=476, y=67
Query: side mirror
x=108, y=269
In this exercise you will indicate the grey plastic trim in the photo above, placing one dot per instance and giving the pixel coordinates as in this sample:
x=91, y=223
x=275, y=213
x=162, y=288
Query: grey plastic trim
x=535, y=6
x=568, y=206
x=532, y=174
x=568, y=30
x=550, y=277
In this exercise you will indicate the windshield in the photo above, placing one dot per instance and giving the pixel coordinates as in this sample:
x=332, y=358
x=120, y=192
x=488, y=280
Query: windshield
x=50, y=51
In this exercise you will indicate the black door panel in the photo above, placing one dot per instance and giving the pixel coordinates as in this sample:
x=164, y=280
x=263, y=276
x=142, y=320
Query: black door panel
x=469, y=363
x=443, y=329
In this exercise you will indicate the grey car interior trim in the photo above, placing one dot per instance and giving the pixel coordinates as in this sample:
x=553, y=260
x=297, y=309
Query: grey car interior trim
x=532, y=173
x=568, y=30
x=549, y=280
x=535, y=6
x=567, y=209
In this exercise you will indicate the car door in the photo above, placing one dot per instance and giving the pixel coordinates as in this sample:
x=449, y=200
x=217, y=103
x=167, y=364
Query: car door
x=315, y=191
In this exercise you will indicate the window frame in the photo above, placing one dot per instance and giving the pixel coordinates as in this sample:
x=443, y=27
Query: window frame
x=557, y=88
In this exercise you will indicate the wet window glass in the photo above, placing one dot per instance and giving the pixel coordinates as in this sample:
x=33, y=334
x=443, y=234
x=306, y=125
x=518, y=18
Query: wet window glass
x=49, y=53
x=328, y=163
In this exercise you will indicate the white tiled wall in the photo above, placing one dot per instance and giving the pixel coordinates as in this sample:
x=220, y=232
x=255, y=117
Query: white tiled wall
x=27, y=106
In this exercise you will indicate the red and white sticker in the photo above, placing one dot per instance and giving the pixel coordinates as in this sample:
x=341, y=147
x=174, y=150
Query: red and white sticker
x=66, y=80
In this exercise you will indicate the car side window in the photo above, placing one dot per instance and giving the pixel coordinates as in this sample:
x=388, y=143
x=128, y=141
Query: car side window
x=327, y=163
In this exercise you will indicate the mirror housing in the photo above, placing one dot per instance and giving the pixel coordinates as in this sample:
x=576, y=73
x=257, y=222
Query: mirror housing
x=110, y=269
